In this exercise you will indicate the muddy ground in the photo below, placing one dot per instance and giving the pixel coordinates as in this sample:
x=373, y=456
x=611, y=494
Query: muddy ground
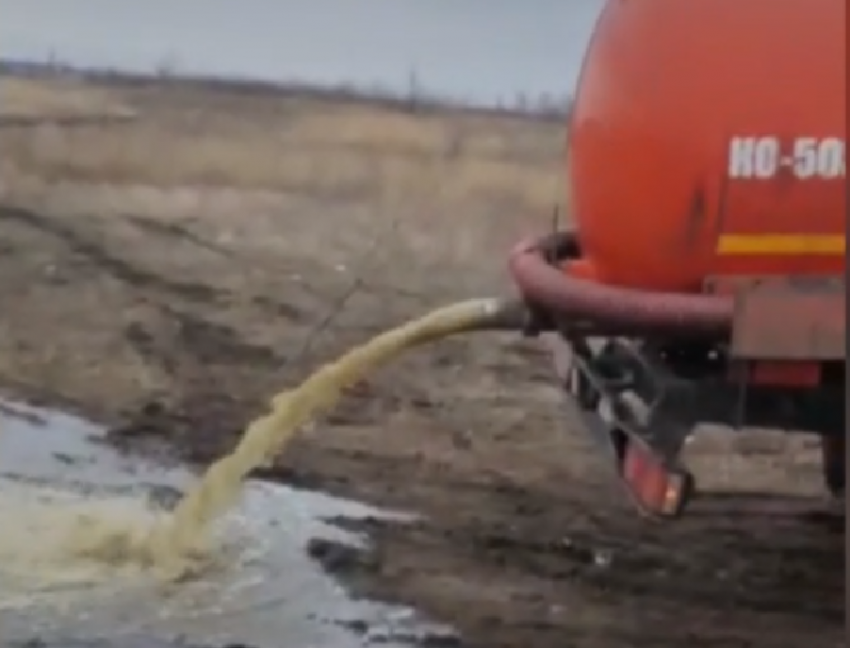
x=167, y=276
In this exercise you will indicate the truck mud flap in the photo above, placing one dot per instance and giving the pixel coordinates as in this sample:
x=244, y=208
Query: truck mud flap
x=655, y=482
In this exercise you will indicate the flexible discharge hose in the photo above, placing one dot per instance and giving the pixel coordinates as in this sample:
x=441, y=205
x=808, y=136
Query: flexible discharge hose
x=612, y=309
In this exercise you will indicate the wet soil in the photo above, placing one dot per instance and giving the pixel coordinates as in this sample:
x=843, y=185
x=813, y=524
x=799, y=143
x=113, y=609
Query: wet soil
x=175, y=331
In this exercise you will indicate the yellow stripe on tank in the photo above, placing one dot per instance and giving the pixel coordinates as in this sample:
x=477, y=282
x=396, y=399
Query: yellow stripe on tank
x=781, y=244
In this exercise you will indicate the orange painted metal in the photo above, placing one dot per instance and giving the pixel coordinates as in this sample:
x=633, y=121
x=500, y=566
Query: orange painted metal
x=666, y=88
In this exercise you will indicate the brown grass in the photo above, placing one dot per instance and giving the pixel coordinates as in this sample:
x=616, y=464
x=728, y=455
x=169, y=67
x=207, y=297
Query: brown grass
x=286, y=144
x=55, y=98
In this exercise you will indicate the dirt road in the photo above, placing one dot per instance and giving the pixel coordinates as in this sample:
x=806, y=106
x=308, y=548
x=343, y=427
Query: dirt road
x=167, y=277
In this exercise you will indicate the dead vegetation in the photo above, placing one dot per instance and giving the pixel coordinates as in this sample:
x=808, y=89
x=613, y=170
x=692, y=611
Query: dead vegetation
x=289, y=145
x=30, y=102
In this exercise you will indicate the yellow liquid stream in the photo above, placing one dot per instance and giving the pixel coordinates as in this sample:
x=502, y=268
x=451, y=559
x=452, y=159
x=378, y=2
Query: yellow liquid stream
x=174, y=546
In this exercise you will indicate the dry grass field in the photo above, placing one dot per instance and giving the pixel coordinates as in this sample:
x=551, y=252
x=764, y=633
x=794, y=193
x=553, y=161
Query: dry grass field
x=167, y=273
x=293, y=146
x=28, y=102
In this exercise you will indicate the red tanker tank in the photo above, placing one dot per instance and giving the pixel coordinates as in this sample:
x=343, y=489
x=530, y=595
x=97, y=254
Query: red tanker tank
x=707, y=184
x=708, y=138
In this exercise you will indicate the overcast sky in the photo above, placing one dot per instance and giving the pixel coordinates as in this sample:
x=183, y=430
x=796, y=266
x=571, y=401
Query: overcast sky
x=474, y=49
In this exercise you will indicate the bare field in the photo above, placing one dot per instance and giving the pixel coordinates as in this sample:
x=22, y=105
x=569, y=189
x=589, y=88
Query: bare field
x=168, y=274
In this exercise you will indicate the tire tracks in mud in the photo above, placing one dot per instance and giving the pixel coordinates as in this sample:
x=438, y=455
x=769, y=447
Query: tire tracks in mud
x=102, y=259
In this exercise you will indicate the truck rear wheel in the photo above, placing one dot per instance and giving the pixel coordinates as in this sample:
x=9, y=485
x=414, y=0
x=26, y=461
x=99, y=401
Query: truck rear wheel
x=834, y=463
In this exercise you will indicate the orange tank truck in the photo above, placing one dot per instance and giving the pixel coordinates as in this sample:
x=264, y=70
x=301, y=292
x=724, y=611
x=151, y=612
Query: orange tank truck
x=706, y=185
x=708, y=138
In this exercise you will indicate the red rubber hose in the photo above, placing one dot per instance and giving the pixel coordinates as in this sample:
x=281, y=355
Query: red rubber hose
x=628, y=311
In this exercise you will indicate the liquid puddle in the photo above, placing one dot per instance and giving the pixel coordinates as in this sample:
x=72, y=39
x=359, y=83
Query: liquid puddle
x=264, y=587
x=121, y=557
